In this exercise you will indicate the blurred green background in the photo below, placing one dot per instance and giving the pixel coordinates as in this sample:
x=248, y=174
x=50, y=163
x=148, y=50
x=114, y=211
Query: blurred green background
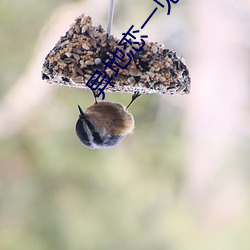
x=181, y=181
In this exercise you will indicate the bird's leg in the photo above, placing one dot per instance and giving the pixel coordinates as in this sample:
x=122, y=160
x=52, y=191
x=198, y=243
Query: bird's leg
x=94, y=94
x=134, y=97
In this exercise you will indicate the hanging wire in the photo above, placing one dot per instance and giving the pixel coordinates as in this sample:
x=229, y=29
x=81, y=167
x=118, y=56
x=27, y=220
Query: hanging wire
x=110, y=16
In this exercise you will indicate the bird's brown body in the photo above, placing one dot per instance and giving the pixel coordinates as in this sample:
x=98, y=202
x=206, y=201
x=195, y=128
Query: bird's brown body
x=111, y=117
x=104, y=125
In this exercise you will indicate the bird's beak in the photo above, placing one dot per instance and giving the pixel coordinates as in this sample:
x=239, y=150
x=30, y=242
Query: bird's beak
x=82, y=115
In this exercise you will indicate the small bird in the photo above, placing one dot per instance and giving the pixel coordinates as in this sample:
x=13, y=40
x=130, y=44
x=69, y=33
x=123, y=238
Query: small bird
x=104, y=124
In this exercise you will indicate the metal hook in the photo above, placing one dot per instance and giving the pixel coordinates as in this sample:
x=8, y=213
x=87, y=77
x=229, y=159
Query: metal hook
x=110, y=16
